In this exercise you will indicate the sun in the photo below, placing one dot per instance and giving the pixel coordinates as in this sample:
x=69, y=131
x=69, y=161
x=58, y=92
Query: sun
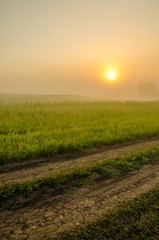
x=110, y=75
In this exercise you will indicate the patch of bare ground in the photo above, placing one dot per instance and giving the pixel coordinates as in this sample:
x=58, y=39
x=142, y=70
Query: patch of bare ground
x=27, y=170
x=65, y=212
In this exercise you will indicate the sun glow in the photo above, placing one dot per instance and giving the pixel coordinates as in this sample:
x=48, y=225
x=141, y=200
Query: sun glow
x=111, y=75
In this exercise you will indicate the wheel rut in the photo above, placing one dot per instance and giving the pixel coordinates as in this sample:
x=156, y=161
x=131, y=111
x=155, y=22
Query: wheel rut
x=27, y=170
x=50, y=217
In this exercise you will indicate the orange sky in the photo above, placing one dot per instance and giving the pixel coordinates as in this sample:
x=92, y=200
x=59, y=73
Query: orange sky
x=64, y=46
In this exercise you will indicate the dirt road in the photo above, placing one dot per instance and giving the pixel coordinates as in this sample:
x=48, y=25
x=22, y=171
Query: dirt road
x=27, y=170
x=69, y=211
x=55, y=214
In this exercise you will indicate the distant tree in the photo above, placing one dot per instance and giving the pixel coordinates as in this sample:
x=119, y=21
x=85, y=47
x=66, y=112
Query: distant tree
x=147, y=90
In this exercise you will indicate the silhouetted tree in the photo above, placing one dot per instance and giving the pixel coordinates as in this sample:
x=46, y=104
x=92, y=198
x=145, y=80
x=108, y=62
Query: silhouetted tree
x=147, y=90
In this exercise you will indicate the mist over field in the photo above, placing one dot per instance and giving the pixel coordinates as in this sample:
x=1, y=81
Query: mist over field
x=72, y=47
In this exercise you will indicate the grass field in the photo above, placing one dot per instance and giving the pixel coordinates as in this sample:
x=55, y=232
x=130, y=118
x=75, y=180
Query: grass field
x=33, y=129
x=42, y=126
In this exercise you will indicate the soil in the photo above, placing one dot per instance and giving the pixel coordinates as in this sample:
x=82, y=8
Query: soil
x=63, y=212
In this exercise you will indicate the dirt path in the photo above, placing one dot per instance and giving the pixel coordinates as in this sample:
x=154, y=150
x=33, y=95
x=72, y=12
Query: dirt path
x=28, y=170
x=69, y=211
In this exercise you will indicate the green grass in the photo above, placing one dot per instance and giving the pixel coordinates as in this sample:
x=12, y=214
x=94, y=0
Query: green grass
x=107, y=168
x=35, y=129
x=137, y=220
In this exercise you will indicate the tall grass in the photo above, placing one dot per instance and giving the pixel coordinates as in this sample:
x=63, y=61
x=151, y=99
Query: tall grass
x=40, y=129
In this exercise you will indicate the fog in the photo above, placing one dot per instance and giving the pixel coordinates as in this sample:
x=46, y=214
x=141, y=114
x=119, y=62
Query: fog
x=64, y=47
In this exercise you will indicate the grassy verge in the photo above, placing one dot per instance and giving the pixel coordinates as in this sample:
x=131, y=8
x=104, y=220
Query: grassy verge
x=109, y=168
x=137, y=220
x=42, y=129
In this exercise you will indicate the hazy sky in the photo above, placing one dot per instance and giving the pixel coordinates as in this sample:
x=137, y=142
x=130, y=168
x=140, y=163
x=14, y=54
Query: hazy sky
x=66, y=46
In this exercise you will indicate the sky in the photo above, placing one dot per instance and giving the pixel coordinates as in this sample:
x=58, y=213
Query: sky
x=70, y=46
